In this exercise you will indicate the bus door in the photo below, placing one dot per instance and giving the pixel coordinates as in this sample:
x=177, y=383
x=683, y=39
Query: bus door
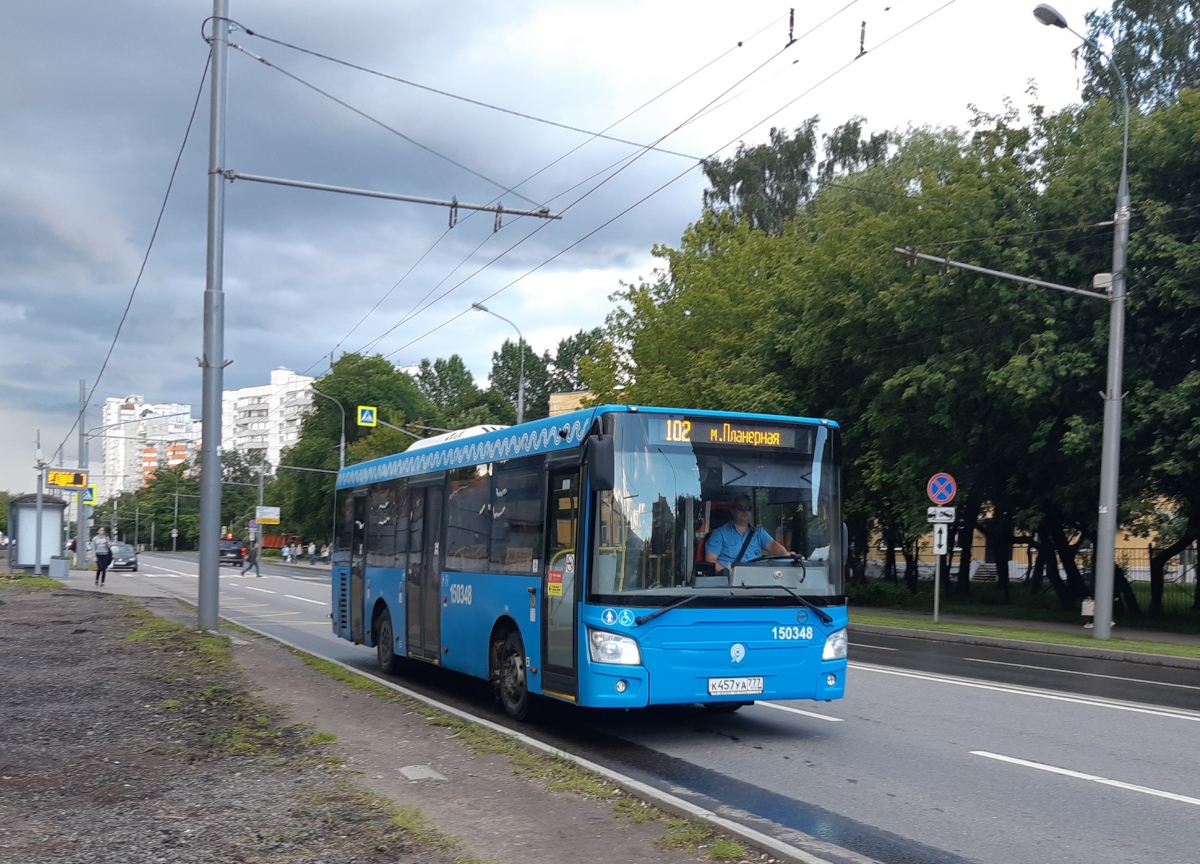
x=561, y=583
x=423, y=579
x=358, y=566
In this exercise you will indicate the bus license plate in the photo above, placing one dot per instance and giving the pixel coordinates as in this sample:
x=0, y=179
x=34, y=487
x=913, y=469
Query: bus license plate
x=735, y=686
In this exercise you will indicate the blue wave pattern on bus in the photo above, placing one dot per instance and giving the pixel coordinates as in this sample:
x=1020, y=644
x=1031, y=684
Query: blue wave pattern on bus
x=492, y=447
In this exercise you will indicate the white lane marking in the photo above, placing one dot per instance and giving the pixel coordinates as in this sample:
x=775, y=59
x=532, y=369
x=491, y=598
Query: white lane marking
x=306, y=600
x=873, y=647
x=1088, y=674
x=1079, y=775
x=791, y=710
x=260, y=590
x=1176, y=714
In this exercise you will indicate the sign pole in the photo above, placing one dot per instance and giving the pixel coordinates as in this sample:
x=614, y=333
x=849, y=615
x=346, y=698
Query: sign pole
x=937, y=583
x=941, y=489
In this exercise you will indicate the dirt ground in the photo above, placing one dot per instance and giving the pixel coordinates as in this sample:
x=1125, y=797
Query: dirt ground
x=126, y=738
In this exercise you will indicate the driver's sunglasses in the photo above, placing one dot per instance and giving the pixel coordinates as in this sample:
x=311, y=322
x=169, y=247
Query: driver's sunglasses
x=743, y=508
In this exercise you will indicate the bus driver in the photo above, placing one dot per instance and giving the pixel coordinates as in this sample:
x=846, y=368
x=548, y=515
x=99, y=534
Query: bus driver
x=725, y=545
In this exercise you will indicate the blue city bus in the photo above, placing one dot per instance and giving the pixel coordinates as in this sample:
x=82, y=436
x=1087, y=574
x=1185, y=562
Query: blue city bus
x=565, y=558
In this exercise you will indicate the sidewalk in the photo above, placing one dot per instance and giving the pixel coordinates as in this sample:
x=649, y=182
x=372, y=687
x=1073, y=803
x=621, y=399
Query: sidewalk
x=918, y=625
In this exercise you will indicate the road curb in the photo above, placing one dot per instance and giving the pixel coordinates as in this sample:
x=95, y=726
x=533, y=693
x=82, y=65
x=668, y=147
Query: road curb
x=1029, y=645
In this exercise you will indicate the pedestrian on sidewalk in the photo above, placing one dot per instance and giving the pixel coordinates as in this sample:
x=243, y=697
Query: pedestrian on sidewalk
x=312, y=554
x=324, y=553
x=252, y=560
x=286, y=552
x=103, y=551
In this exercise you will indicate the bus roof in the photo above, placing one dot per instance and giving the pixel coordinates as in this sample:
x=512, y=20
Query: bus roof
x=482, y=444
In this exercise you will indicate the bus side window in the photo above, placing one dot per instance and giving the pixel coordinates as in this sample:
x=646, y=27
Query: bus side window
x=517, y=517
x=468, y=519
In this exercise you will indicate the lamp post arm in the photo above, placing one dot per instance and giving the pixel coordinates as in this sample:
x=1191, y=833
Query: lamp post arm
x=342, y=448
x=521, y=350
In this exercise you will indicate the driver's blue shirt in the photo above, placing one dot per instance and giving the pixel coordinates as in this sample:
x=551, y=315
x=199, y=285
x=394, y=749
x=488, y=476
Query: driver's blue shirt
x=725, y=542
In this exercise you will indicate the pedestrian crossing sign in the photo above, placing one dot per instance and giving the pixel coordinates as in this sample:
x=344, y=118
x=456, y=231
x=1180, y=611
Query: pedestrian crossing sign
x=367, y=415
x=89, y=496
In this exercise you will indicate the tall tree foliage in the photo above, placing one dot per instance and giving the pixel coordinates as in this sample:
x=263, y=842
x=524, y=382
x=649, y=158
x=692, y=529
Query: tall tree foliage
x=1155, y=44
x=305, y=497
x=931, y=368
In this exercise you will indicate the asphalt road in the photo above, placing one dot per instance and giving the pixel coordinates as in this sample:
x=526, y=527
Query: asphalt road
x=941, y=752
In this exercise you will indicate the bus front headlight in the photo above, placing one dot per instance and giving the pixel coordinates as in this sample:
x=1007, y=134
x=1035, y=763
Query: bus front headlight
x=606, y=647
x=835, y=646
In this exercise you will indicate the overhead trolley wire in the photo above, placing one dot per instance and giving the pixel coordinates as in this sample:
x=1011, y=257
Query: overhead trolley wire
x=146, y=257
x=381, y=124
x=594, y=135
x=673, y=180
x=581, y=198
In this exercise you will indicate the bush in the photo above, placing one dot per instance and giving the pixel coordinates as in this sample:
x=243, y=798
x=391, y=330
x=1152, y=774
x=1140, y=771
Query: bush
x=880, y=594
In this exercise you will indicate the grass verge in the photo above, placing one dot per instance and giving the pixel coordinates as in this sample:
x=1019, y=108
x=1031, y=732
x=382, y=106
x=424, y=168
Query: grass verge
x=552, y=772
x=1025, y=634
x=23, y=580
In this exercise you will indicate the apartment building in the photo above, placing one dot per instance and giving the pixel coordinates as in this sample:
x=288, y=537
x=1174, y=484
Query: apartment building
x=135, y=437
x=264, y=421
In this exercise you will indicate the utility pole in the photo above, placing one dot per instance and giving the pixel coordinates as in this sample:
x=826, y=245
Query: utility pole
x=41, y=471
x=175, y=523
x=213, y=359
x=81, y=508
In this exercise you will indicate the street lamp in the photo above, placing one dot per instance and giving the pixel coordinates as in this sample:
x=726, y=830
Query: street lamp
x=1110, y=454
x=521, y=348
x=342, y=451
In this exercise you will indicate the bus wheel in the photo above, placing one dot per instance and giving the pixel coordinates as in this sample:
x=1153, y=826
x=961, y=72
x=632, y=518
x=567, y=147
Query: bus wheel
x=514, y=692
x=385, y=643
x=725, y=707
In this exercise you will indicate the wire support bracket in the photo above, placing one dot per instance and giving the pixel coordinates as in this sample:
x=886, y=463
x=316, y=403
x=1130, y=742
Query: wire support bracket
x=454, y=204
x=909, y=252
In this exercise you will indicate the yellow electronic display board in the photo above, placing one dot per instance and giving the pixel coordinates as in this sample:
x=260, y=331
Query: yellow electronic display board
x=67, y=479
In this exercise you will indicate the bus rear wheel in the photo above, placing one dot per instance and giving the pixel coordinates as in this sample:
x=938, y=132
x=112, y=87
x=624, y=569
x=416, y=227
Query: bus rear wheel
x=385, y=643
x=512, y=685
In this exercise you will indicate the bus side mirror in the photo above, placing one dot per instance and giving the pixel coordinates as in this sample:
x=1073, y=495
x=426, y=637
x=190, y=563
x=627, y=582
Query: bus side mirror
x=601, y=462
x=845, y=543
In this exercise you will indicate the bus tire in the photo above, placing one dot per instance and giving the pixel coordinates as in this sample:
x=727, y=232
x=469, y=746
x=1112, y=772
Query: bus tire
x=385, y=642
x=511, y=683
x=725, y=707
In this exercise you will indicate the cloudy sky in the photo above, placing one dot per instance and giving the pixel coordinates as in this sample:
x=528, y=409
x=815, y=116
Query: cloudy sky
x=96, y=98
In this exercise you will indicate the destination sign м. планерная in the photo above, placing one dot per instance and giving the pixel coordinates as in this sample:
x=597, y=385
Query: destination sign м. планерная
x=678, y=430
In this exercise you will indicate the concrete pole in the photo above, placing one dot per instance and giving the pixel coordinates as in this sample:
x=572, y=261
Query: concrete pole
x=175, y=523
x=213, y=358
x=41, y=472
x=81, y=508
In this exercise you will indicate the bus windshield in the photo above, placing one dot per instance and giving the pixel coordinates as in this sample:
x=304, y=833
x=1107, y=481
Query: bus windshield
x=679, y=479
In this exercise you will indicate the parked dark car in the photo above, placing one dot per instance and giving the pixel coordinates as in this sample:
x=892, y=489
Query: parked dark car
x=124, y=557
x=233, y=552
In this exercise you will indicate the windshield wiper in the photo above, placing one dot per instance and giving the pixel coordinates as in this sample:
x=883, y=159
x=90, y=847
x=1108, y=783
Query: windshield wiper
x=650, y=616
x=821, y=613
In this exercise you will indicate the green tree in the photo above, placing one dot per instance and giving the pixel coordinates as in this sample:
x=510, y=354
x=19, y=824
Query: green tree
x=458, y=402
x=305, y=497
x=765, y=184
x=506, y=373
x=564, y=368
x=1155, y=44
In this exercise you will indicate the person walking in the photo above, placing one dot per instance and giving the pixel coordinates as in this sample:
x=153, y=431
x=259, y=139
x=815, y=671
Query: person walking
x=102, y=549
x=324, y=553
x=286, y=552
x=252, y=560
x=312, y=554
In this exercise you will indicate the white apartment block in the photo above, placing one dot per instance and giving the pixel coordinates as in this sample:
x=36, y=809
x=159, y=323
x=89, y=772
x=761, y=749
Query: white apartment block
x=264, y=421
x=135, y=437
